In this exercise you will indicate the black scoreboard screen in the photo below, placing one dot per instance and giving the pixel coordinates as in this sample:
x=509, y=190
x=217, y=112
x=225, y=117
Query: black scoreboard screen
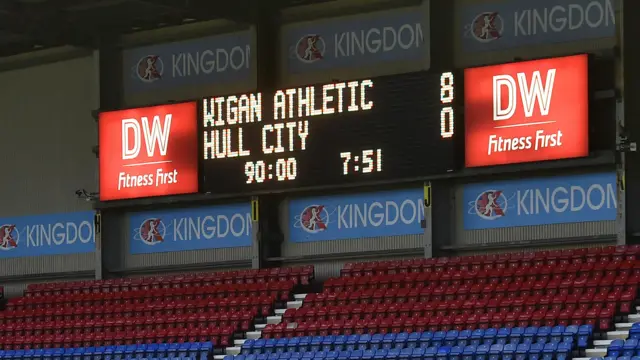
x=377, y=129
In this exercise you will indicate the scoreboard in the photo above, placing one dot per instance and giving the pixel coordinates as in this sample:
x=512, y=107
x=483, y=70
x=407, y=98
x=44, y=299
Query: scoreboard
x=376, y=129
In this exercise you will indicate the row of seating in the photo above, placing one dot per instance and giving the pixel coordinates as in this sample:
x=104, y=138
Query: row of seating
x=238, y=320
x=261, y=305
x=550, y=351
x=583, y=273
x=570, y=334
x=629, y=347
x=538, y=258
x=599, y=319
x=553, y=306
x=193, y=351
x=463, y=293
x=219, y=337
x=300, y=275
x=280, y=290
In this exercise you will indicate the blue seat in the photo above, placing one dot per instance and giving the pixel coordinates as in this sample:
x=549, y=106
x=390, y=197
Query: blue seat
x=281, y=356
x=413, y=340
x=430, y=353
x=352, y=342
x=482, y=352
x=380, y=354
x=368, y=354
x=529, y=335
x=321, y=355
x=615, y=348
x=564, y=350
x=522, y=351
x=272, y=356
x=356, y=355
x=401, y=340
x=258, y=346
x=516, y=335
x=476, y=337
x=282, y=345
x=556, y=333
x=304, y=343
x=451, y=338
x=340, y=342
x=584, y=334
x=509, y=351
x=425, y=339
x=262, y=356
x=364, y=341
x=535, y=351
x=247, y=346
x=464, y=338
x=544, y=334
x=549, y=351
x=388, y=340
x=495, y=351
x=443, y=352
x=503, y=336
x=183, y=349
x=405, y=353
x=456, y=353
x=270, y=346
x=393, y=354
x=316, y=343
x=629, y=347
x=332, y=355
x=229, y=357
x=376, y=341
x=634, y=332
x=438, y=338
x=635, y=358
x=417, y=354
x=489, y=336
x=469, y=352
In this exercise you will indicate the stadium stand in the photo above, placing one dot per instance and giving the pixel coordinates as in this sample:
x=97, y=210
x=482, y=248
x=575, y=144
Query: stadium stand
x=541, y=305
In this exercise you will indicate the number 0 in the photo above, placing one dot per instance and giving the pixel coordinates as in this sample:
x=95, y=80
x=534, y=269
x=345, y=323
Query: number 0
x=446, y=122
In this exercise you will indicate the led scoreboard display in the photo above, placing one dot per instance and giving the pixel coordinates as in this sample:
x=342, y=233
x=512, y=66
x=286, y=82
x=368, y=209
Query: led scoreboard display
x=383, y=128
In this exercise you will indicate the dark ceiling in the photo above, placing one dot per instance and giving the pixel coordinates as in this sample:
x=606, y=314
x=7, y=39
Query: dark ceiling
x=32, y=25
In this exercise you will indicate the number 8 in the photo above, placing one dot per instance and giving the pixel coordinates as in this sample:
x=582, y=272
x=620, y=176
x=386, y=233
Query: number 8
x=446, y=87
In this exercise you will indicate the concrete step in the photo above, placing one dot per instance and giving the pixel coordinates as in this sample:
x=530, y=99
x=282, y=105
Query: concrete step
x=623, y=326
x=633, y=318
x=618, y=334
x=280, y=312
x=233, y=350
x=274, y=319
x=218, y=357
x=294, y=304
x=253, y=334
x=260, y=326
x=591, y=353
x=299, y=297
x=239, y=342
x=601, y=344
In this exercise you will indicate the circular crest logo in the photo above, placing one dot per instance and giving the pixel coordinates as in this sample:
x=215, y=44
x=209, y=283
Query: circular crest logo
x=313, y=219
x=149, y=68
x=310, y=48
x=491, y=204
x=10, y=237
x=152, y=231
x=486, y=27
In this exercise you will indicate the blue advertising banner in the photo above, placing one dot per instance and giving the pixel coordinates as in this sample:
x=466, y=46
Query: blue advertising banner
x=53, y=234
x=355, y=41
x=219, y=58
x=544, y=201
x=386, y=213
x=190, y=229
x=510, y=24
